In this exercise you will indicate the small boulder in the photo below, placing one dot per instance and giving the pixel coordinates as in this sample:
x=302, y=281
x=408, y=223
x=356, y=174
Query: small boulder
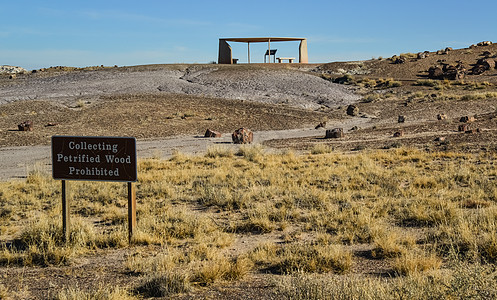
x=399, y=133
x=435, y=73
x=25, y=126
x=212, y=134
x=463, y=127
x=441, y=117
x=467, y=119
x=401, y=119
x=400, y=60
x=352, y=110
x=334, y=133
x=321, y=125
x=484, y=43
x=440, y=139
x=242, y=136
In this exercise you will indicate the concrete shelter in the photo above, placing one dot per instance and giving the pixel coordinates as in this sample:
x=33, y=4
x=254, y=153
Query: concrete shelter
x=226, y=56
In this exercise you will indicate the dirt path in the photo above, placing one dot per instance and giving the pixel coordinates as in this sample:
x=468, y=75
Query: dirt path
x=17, y=162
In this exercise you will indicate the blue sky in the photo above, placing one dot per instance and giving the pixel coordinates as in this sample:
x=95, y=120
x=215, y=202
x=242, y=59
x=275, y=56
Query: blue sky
x=37, y=34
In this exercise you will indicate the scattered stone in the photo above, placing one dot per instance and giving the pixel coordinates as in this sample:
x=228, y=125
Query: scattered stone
x=354, y=128
x=321, y=125
x=400, y=60
x=467, y=119
x=435, y=73
x=401, y=119
x=486, y=54
x=482, y=65
x=421, y=55
x=463, y=127
x=212, y=134
x=399, y=133
x=441, y=117
x=352, y=110
x=451, y=72
x=478, y=69
x=12, y=70
x=484, y=43
x=50, y=124
x=334, y=133
x=25, y=126
x=440, y=139
x=242, y=136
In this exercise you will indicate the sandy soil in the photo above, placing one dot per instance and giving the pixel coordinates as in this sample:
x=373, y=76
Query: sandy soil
x=17, y=162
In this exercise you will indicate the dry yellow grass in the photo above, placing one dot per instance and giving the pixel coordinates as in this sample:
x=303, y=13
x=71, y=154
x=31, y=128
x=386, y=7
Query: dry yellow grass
x=409, y=207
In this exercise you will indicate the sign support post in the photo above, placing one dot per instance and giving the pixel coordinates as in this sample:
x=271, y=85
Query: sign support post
x=65, y=212
x=131, y=210
x=96, y=159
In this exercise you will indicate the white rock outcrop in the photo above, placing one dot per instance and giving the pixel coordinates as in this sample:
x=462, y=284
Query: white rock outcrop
x=12, y=70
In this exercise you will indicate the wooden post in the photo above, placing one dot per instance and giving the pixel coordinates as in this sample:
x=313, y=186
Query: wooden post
x=269, y=49
x=65, y=212
x=248, y=49
x=131, y=210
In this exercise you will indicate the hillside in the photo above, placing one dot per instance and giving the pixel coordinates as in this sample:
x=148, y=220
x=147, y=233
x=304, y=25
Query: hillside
x=401, y=206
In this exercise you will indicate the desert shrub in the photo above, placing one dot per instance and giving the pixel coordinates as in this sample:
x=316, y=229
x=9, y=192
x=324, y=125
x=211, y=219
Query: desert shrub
x=252, y=153
x=465, y=282
x=371, y=98
x=388, y=83
x=413, y=262
x=100, y=293
x=345, y=79
x=217, y=151
x=427, y=82
x=321, y=149
x=163, y=285
x=296, y=258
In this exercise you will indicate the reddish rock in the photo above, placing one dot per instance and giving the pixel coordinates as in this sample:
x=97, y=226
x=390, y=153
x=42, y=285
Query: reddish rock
x=321, y=125
x=467, y=119
x=334, y=133
x=352, y=110
x=242, y=136
x=435, y=73
x=211, y=133
x=441, y=117
x=25, y=126
x=399, y=133
x=463, y=127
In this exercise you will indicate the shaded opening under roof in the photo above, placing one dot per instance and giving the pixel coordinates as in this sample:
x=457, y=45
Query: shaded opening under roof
x=226, y=56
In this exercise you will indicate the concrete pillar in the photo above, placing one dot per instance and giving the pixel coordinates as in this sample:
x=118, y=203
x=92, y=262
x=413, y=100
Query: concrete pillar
x=225, y=55
x=303, y=58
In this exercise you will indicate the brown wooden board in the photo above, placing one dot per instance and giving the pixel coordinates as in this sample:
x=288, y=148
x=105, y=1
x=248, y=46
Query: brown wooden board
x=94, y=158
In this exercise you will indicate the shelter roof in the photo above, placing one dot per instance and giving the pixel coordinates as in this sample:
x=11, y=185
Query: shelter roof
x=262, y=39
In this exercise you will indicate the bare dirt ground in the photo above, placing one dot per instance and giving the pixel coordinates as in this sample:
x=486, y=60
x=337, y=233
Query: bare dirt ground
x=169, y=107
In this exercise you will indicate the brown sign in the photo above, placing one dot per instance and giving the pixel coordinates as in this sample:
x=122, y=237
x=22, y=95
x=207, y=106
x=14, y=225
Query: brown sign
x=94, y=158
